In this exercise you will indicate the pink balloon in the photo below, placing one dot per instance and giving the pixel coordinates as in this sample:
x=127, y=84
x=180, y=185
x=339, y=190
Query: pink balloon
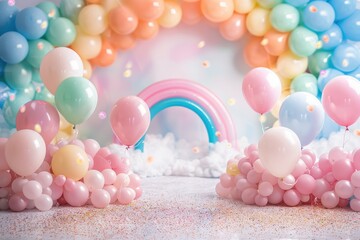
x=343, y=169
x=329, y=199
x=248, y=196
x=41, y=117
x=126, y=195
x=355, y=205
x=305, y=184
x=130, y=119
x=100, y=198
x=3, y=163
x=78, y=196
x=25, y=152
x=112, y=190
x=222, y=191
x=341, y=99
x=344, y=189
x=321, y=186
x=261, y=88
x=277, y=195
x=291, y=198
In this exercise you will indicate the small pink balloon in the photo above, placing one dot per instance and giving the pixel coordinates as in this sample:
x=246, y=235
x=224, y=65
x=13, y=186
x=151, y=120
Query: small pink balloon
x=245, y=168
x=357, y=193
x=261, y=200
x=321, y=186
x=287, y=182
x=337, y=153
x=4, y=204
x=5, y=179
x=309, y=157
x=233, y=28
x=316, y=172
x=118, y=164
x=356, y=159
x=329, y=177
x=3, y=164
x=138, y=192
x=100, y=198
x=265, y=189
x=243, y=184
x=130, y=119
x=126, y=195
x=324, y=164
x=355, y=179
x=60, y=180
x=258, y=167
x=226, y=180
x=109, y=176
x=43, y=203
x=122, y=180
x=78, y=143
x=300, y=168
x=305, y=184
x=248, y=196
x=135, y=181
x=78, y=197
x=69, y=185
x=249, y=149
x=94, y=180
x=112, y=190
x=344, y=189
x=261, y=88
x=222, y=191
x=291, y=198
x=329, y=199
x=253, y=177
x=17, y=203
x=4, y=192
x=56, y=191
x=32, y=190
x=276, y=196
x=268, y=177
x=17, y=184
x=44, y=178
x=343, y=203
x=41, y=117
x=235, y=194
x=340, y=97
x=91, y=147
x=355, y=205
x=343, y=169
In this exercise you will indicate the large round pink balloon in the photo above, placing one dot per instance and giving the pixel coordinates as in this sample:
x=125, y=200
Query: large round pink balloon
x=261, y=88
x=3, y=163
x=130, y=119
x=341, y=100
x=59, y=64
x=279, y=151
x=40, y=116
x=25, y=152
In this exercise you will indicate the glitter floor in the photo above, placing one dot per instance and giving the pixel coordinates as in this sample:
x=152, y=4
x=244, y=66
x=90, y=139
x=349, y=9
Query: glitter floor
x=182, y=208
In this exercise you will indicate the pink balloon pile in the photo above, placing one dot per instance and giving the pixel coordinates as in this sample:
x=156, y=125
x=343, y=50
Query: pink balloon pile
x=108, y=180
x=333, y=180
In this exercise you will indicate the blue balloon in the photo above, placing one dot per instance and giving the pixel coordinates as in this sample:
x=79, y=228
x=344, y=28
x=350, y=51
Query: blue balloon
x=355, y=73
x=31, y=22
x=351, y=26
x=297, y=3
x=303, y=113
x=2, y=66
x=329, y=127
x=346, y=57
x=318, y=16
x=7, y=17
x=5, y=92
x=331, y=38
x=326, y=75
x=343, y=8
x=13, y=47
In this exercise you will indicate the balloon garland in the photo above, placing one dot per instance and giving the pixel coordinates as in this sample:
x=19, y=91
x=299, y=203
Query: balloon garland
x=47, y=54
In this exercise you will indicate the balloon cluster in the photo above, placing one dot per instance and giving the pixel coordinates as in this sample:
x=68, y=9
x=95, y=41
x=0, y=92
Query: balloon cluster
x=332, y=181
x=81, y=173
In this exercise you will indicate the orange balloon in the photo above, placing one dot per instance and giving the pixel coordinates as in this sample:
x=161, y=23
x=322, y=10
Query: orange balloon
x=233, y=28
x=118, y=41
x=275, y=42
x=87, y=69
x=217, y=10
x=106, y=56
x=191, y=12
x=122, y=20
x=146, y=29
x=256, y=56
x=93, y=1
x=147, y=9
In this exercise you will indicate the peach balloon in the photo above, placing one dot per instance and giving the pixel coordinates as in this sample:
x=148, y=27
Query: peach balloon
x=93, y=1
x=70, y=161
x=244, y=6
x=289, y=65
x=87, y=69
x=122, y=20
x=256, y=56
x=92, y=19
x=146, y=29
x=122, y=42
x=275, y=42
x=233, y=28
x=171, y=15
x=217, y=10
x=147, y=9
x=110, y=4
x=258, y=21
x=191, y=12
x=106, y=56
x=87, y=46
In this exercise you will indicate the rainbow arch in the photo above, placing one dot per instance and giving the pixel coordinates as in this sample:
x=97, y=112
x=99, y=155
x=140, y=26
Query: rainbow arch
x=199, y=99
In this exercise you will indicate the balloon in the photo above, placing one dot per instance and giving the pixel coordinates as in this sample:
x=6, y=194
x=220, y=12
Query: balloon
x=39, y=116
x=319, y=61
x=122, y=20
x=217, y=10
x=289, y=65
x=7, y=17
x=87, y=46
x=28, y=91
x=318, y=16
x=147, y=9
x=261, y=88
x=79, y=196
x=130, y=119
x=13, y=47
x=12, y=106
x=341, y=99
x=31, y=22
x=171, y=16
x=268, y=3
x=87, y=69
x=76, y=99
x=284, y=17
x=70, y=9
x=18, y=75
x=329, y=127
x=191, y=12
x=244, y=6
x=233, y=28
x=59, y=64
x=255, y=54
x=345, y=57
x=327, y=75
x=50, y=9
x=303, y=113
x=146, y=29
x=275, y=43
x=257, y=21
x=70, y=161
x=37, y=50
x=122, y=42
x=5, y=92
x=343, y=8
x=92, y=19
x=3, y=163
x=61, y=32
x=297, y=3
x=355, y=73
x=331, y=38
x=305, y=82
x=107, y=55
x=279, y=151
x=303, y=42
x=25, y=152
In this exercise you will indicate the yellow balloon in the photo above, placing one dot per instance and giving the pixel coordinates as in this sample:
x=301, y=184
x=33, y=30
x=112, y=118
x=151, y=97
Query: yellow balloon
x=92, y=19
x=87, y=69
x=171, y=16
x=258, y=21
x=276, y=109
x=244, y=6
x=70, y=161
x=217, y=10
x=289, y=65
x=87, y=46
x=110, y=4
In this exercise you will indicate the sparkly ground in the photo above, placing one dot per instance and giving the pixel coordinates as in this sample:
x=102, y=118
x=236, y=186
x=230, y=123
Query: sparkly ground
x=182, y=208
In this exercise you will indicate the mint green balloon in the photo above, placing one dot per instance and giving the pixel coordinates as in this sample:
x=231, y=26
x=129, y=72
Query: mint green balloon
x=76, y=99
x=42, y=93
x=268, y=3
x=71, y=8
x=305, y=82
x=28, y=91
x=320, y=60
x=303, y=42
x=61, y=32
x=50, y=9
x=12, y=106
x=284, y=17
x=37, y=50
x=18, y=75
x=36, y=78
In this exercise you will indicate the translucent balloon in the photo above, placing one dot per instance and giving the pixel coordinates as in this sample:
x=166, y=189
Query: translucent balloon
x=20, y=146
x=92, y=19
x=284, y=17
x=171, y=15
x=319, y=61
x=257, y=21
x=32, y=190
x=233, y=28
x=37, y=50
x=13, y=47
x=12, y=106
x=147, y=9
x=146, y=29
x=70, y=9
x=255, y=54
x=343, y=8
x=50, y=9
x=122, y=20
x=31, y=22
x=100, y=198
x=279, y=151
x=244, y=6
x=303, y=42
x=345, y=57
x=318, y=16
x=289, y=65
x=275, y=43
x=61, y=32
x=331, y=38
x=305, y=82
x=18, y=75
x=217, y=10
x=76, y=99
